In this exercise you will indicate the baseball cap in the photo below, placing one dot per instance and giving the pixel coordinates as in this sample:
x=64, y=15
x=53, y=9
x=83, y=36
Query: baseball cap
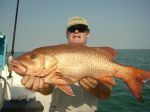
x=76, y=20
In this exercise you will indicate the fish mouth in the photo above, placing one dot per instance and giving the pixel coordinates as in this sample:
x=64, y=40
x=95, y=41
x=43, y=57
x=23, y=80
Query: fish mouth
x=18, y=67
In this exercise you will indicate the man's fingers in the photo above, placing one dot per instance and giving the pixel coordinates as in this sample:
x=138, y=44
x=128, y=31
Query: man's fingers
x=25, y=79
x=36, y=84
x=43, y=85
x=88, y=83
x=92, y=82
x=41, y=82
x=83, y=84
x=30, y=82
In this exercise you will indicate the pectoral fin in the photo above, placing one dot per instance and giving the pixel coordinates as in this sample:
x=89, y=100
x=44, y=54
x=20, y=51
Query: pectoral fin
x=59, y=79
x=67, y=89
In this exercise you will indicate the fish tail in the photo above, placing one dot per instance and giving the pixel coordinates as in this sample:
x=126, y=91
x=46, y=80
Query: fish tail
x=135, y=79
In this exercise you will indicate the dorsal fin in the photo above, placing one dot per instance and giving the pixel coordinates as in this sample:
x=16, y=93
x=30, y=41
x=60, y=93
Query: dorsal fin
x=107, y=51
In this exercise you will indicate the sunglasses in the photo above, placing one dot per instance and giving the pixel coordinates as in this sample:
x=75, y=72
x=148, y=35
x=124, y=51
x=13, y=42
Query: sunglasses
x=80, y=28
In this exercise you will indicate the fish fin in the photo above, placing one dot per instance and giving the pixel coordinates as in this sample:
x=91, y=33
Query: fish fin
x=59, y=79
x=49, y=72
x=67, y=89
x=107, y=80
x=106, y=51
x=102, y=90
x=135, y=78
x=51, y=61
x=50, y=65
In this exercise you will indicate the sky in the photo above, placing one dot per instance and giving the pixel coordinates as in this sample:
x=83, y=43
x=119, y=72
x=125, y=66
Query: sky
x=121, y=24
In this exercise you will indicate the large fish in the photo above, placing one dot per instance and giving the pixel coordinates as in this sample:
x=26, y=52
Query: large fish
x=65, y=64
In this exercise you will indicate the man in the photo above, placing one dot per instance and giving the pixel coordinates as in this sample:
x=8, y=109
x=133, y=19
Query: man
x=84, y=100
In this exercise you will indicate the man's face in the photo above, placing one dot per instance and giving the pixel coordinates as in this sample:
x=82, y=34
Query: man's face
x=77, y=34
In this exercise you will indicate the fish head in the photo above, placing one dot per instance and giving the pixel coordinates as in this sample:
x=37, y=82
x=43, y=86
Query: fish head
x=34, y=63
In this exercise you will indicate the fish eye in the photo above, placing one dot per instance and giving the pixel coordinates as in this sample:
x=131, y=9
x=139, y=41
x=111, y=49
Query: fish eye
x=33, y=56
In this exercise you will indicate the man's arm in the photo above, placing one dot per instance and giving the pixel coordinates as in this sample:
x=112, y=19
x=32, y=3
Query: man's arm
x=37, y=84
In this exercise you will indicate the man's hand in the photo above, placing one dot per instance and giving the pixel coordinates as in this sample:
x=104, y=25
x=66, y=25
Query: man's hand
x=98, y=89
x=36, y=84
x=88, y=83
